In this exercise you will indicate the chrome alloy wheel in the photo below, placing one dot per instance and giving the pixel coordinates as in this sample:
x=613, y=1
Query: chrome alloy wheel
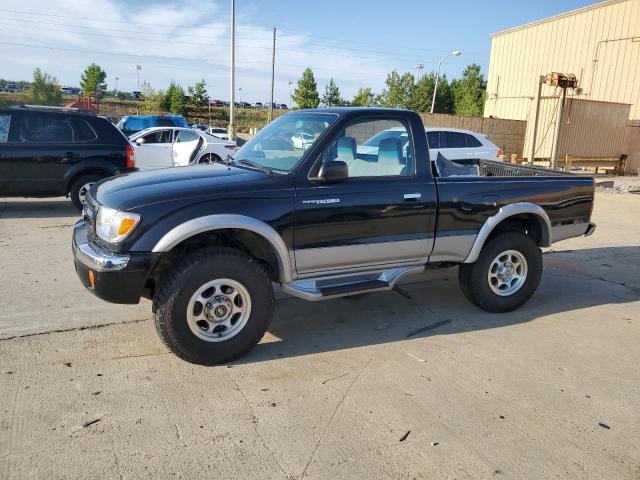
x=218, y=310
x=507, y=273
x=84, y=189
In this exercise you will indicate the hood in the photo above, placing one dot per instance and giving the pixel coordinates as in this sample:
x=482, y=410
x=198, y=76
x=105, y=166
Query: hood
x=126, y=192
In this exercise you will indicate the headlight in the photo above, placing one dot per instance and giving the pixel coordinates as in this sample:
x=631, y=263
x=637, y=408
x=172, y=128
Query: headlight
x=113, y=226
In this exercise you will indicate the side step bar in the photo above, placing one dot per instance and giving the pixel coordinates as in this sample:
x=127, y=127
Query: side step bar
x=334, y=286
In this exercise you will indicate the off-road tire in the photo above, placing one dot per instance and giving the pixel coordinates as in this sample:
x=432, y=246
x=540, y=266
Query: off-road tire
x=179, y=284
x=473, y=276
x=74, y=192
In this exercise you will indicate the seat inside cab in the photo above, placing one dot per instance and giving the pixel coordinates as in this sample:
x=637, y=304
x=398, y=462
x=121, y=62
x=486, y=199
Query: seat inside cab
x=387, y=161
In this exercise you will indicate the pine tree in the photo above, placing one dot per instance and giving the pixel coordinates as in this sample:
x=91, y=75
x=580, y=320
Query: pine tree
x=331, y=97
x=306, y=93
x=173, y=100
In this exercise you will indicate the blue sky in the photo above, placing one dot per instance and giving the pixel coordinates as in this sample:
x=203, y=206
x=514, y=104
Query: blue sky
x=355, y=42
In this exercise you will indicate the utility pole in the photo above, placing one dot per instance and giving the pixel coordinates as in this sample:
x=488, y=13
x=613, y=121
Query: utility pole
x=290, y=98
x=273, y=73
x=232, y=86
x=116, y=79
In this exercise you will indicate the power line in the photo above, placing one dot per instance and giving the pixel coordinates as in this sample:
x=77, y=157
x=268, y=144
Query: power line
x=285, y=49
x=262, y=30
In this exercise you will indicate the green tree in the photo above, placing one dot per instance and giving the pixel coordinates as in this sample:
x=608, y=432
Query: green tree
x=151, y=100
x=332, y=97
x=198, y=93
x=399, y=91
x=364, y=97
x=422, y=94
x=45, y=89
x=92, y=80
x=306, y=93
x=469, y=91
x=173, y=100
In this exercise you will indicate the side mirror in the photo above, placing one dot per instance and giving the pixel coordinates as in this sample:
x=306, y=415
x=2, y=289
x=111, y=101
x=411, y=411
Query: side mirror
x=140, y=141
x=333, y=171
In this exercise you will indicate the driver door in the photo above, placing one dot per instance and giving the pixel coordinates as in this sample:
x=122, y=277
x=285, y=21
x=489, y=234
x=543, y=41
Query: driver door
x=383, y=214
x=155, y=151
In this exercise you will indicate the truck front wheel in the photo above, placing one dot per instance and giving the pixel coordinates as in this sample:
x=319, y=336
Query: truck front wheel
x=214, y=306
x=505, y=275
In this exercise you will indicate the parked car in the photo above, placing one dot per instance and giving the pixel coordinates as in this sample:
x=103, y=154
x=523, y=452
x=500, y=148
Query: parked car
x=218, y=132
x=216, y=103
x=282, y=106
x=207, y=243
x=202, y=128
x=163, y=147
x=133, y=124
x=46, y=151
x=257, y=105
x=453, y=144
x=456, y=144
x=67, y=90
x=11, y=88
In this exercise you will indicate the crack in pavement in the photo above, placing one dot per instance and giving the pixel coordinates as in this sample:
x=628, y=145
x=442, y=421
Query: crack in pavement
x=333, y=416
x=74, y=329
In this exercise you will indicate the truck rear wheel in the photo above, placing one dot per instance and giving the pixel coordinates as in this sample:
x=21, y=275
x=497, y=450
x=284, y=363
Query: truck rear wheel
x=506, y=274
x=214, y=306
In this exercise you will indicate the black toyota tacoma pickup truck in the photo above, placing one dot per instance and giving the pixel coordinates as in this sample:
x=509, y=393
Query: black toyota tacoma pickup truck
x=325, y=203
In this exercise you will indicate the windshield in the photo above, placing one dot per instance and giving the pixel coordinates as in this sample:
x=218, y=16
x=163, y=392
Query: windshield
x=281, y=144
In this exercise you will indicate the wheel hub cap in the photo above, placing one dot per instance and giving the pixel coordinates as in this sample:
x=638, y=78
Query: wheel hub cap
x=218, y=310
x=507, y=273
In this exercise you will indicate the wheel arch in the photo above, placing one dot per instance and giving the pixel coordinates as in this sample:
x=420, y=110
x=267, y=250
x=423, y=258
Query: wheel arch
x=252, y=234
x=74, y=175
x=516, y=216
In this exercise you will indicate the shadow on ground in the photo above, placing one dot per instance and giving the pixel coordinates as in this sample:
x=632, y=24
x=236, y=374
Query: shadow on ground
x=10, y=208
x=572, y=280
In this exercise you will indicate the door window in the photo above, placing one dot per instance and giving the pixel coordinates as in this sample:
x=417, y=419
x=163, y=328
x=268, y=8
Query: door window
x=83, y=131
x=5, y=123
x=187, y=136
x=433, y=139
x=453, y=140
x=159, y=136
x=44, y=129
x=375, y=148
x=473, y=141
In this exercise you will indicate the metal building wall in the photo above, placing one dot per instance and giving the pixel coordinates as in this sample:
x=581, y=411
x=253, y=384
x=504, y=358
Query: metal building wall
x=589, y=128
x=608, y=33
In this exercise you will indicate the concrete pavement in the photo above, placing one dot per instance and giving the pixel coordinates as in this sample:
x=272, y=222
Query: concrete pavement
x=377, y=387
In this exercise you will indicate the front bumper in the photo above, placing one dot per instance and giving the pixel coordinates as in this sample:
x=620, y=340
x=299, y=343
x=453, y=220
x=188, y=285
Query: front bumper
x=116, y=278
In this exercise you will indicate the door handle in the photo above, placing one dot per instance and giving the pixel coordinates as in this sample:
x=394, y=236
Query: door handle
x=412, y=196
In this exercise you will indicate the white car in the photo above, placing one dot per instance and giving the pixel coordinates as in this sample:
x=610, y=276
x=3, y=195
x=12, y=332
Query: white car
x=452, y=143
x=218, y=132
x=163, y=147
x=302, y=140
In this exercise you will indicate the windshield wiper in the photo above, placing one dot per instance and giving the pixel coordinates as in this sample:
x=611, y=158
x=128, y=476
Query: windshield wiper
x=249, y=163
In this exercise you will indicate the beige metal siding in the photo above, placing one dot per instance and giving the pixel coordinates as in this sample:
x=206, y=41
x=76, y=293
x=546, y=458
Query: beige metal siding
x=589, y=128
x=608, y=33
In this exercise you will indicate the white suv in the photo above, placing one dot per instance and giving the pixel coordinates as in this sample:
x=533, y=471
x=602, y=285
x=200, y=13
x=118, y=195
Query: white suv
x=455, y=144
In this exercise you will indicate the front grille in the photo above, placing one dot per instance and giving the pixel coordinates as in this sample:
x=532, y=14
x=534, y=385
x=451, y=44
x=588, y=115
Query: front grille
x=89, y=213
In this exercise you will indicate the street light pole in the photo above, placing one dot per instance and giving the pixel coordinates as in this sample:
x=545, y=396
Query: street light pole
x=232, y=86
x=138, y=68
x=290, y=98
x=116, y=79
x=455, y=53
x=419, y=67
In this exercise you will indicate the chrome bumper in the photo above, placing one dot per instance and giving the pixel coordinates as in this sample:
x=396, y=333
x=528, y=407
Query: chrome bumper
x=93, y=257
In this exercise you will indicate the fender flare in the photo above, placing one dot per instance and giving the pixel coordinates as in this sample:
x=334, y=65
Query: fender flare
x=209, y=223
x=504, y=213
